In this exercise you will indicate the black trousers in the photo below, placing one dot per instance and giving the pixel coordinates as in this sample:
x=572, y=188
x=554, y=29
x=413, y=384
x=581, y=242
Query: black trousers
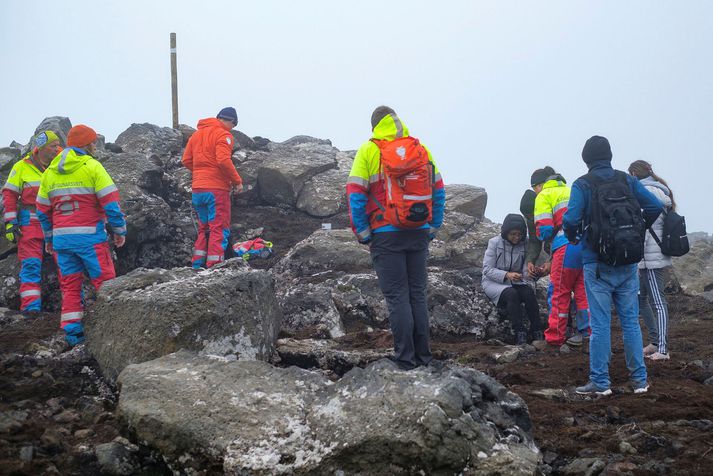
x=399, y=259
x=511, y=300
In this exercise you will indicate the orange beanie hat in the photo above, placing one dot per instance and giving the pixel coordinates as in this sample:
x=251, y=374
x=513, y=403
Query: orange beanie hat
x=81, y=136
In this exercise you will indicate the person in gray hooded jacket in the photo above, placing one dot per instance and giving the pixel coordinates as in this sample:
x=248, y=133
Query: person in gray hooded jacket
x=505, y=275
x=651, y=268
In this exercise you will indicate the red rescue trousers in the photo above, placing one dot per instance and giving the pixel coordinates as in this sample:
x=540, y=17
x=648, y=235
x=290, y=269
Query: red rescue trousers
x=30, y=247
x=567, y=277
x=96, y=262
x=213, y=210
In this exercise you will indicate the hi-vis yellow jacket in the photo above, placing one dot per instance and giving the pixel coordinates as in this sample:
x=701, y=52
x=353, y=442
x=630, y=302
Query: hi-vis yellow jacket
x=366, y=178
x=550, y=206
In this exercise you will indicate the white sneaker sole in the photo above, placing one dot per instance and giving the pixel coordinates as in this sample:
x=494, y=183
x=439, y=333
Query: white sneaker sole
x=605, y=393
x=641, y=390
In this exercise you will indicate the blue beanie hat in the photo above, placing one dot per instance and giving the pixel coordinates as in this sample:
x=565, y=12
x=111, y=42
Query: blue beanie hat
x=229, y=114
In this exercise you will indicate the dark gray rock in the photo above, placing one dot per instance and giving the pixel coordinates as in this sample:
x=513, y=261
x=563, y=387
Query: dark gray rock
x=58, y=124
x=8, y=157
x=253, y=418
x=302, y=139
x=157, y=234
x=118, y=458
x=226, y=310
x=467, y=199
x=311, y=306
x=695, y=270
x=325, y=252
x=242, y=140
x=324, y=195
x=151, y=139
x=285, y=169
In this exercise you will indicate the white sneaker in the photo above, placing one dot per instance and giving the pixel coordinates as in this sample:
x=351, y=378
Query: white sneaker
x=650, y=349
x=658, y=356
x=641, y=388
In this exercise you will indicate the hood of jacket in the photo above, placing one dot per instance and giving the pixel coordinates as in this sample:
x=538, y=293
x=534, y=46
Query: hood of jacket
x=69, y=160
x=210, y=122
x=513, y=221
x=651, y=182
x=390, y=128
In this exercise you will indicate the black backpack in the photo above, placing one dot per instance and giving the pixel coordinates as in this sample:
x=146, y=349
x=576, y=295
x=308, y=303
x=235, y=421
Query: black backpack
x=674, y=241
x=616, y=227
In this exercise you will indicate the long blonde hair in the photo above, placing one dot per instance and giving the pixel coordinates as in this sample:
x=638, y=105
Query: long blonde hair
x=642, y=169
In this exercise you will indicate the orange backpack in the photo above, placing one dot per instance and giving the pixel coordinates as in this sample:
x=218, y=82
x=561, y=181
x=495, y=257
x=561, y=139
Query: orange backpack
x=408, y=183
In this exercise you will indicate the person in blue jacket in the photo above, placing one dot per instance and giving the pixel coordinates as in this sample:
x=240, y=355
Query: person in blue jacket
x=606, y=284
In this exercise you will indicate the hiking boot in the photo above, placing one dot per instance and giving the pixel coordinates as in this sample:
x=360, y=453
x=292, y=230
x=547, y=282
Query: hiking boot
x=591, y=389
x=658, y=356
x=641, y=387
x=650, y=349
x=521, y=338
x=400, y=364
x=576, y=340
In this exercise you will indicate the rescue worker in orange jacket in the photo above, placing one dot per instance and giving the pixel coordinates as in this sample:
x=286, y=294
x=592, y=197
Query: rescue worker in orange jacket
x=21, y=223
x=208, y=156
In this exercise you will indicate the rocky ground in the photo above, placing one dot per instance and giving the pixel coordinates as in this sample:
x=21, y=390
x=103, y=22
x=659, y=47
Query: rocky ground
x=57, y=415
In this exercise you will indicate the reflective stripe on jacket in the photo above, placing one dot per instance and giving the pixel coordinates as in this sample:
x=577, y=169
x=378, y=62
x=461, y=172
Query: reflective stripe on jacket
x=208, y=155
x=20, y=191
x=76, y=198
x=550, y=206
x=366, y=178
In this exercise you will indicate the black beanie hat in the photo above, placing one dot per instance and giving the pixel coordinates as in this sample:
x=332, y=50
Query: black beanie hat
x=527, y=203
x=596, y=149
x=541, y=175
x=513, y=221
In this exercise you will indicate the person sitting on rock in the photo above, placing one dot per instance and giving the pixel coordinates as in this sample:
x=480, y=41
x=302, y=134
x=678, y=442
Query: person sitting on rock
x=76, y=199
x=208, y=155
x=566, y=275
x=21, y=223
x=505, y=278
x=651, y=268
x=398, y=226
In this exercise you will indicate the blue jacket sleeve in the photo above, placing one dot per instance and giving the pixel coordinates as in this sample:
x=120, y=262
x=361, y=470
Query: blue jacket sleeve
x=439, y=206
x=650, y=205
x=572, y=219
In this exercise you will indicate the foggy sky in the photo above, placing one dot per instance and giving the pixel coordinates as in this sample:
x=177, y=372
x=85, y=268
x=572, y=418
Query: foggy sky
x=495, y=89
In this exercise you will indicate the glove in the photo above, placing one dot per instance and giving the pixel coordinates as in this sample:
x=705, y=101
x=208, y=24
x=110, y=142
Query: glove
x=365, y=241
x=12, y=232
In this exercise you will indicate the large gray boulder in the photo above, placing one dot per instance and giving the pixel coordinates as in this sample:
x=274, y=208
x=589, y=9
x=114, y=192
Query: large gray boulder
x=324, y=195
x=467, y=199
x=253, y=418
x=286, y=168
x=228, y=310
x=325, y=252
x=151, y=139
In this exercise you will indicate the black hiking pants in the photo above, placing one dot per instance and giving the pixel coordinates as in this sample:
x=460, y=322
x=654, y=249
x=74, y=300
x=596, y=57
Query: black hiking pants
x=399, y=259
x=511, y=300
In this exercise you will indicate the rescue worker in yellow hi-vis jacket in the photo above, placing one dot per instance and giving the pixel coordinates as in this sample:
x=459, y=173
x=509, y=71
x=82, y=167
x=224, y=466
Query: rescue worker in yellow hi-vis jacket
x=21, y=223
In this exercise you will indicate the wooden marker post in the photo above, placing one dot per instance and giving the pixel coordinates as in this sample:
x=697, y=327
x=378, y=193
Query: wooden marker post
x=174, y=82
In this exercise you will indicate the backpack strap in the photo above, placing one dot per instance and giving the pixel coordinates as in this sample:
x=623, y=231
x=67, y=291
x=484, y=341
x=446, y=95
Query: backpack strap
x=654, y=236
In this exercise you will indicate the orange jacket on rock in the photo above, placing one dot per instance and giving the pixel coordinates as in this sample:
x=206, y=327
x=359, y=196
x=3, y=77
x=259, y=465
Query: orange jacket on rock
x=208, y=156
